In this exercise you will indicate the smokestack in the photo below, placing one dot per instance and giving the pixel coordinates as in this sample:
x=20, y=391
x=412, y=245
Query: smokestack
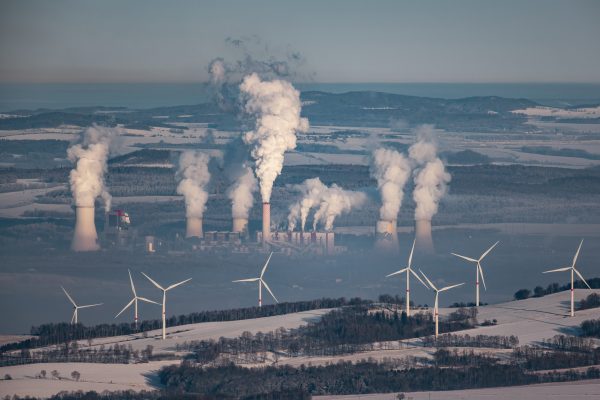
x=85, y=237
x=240, y=225
x=193, y=227
x=423, y=235
x=266, y=222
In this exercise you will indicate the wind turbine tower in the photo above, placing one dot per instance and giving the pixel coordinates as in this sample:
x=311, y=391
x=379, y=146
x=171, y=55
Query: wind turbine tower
x=573, y=272
x=134, y=301
x=261, y=282
x=408, y=270
x=76, y=307
x=164, y=301
x=478, y=270
x=436, y=311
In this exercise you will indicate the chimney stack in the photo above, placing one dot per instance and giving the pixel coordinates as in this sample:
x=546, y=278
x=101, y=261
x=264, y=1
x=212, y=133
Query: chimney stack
x=193, y=227
x=423, y=235
x=240, y=225
x=85, y=237
x=266, y=223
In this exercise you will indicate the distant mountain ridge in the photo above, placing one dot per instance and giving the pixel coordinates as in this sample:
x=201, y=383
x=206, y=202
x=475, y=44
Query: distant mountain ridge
x=359, y=108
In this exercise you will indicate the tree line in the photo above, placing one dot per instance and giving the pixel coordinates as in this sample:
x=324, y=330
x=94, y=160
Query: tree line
x=454, y=340
x=50, y=334
x=345, y=331
x=539, y=291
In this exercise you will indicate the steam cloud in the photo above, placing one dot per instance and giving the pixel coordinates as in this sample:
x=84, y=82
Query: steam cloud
x=251, y=55
x=312, y=192
x=431, y=179
x=90, y=156
x=241, y=193
x=193, y=177
x=392, y=170
x=276, y=107
x=331, y=201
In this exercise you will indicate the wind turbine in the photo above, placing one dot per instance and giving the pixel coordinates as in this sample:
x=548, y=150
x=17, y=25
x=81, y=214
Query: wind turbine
x=408, y=271
x=76, y=307
x=261, y=282
x=478, y=270
x=164, y=301
x=134, y=301
x=573, y=270
x=437, y=293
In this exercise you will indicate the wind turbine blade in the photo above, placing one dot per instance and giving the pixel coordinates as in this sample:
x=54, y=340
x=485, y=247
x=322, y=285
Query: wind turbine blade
x=412, y=250
x=269, y=289
x=577, y=254
x=481, y=274
x=131, y=281
x=177, y=284
x=466, y=258
x=418, y=277
x=151, y=280
x=488, y=251
x=73, y=317
x=126, y=307
x=247, y=280
x=90, y=305
x=451, y=287
x=266, y=264
x=147, y=300
x=396, y=273
x=428, y=281
x=581, y=277
x=557, y=270
x=70, y=298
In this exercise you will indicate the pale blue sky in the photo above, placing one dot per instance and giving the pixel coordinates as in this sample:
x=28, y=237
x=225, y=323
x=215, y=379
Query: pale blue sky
x=343, y=41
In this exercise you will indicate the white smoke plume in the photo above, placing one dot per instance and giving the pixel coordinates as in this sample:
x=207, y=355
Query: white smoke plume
x=90, y=155
x=431, y=179
x=241, y=193
x=312, y=191
x=392, y=170
x=193, y=177
x=276, y=107
x=336, y=201
x=249, y=55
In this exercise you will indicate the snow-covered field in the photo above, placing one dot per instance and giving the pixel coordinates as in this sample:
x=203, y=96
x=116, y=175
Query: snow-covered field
x=588, y=389
x=540, y=111
x=98, y=377
x=14, y=204
x=207, y=330
x=532, y=320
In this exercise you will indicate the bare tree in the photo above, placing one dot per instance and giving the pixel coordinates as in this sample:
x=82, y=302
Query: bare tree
x=75, y=375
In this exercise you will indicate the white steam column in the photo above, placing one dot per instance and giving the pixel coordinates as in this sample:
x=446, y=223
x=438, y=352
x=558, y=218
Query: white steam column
x=89, y=155
x=431, y=184
x=276, y=107
x=193, y=177
x=391, y=169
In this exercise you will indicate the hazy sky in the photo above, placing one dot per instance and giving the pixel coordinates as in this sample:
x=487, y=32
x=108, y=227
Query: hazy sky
x=342, y=40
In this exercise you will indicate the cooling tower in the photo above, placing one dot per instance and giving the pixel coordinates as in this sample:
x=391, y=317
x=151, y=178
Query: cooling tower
x=387, y=235
x=85, y=237
x=266, y=222
x=240, y=225
x=193, y=227
x=423, y=235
